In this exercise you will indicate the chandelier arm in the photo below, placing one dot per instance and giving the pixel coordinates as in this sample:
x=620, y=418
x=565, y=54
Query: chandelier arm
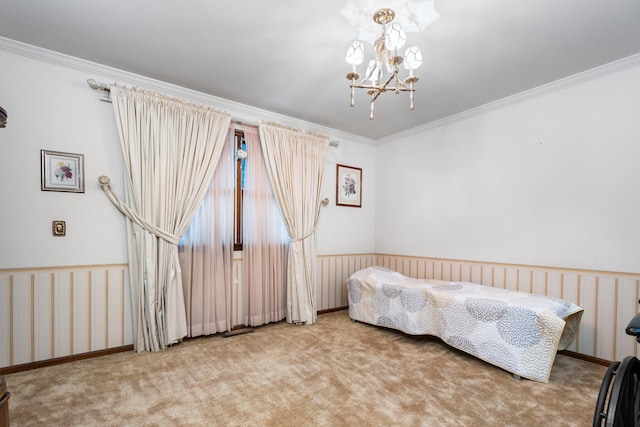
x=402, y=87
x=375, y=95
x=411, y=103
x=391, y=76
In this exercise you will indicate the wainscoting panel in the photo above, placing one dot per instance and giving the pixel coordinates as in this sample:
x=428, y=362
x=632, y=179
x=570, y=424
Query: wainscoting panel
x=609, y=299
x=237, y=308
x=332, y=273
x=59, y=312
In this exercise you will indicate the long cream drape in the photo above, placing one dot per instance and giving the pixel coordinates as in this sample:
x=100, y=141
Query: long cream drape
x=265, y=242
x=206, y=253
x=295, y=163
x=171, y=148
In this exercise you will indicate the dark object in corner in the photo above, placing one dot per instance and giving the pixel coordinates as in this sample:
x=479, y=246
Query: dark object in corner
x=237, y=332
x=618, y=402
x=633, y=328
x=4, y=403
x=3, y=118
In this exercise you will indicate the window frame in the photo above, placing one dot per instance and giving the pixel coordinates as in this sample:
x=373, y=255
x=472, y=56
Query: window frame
x=238, y=193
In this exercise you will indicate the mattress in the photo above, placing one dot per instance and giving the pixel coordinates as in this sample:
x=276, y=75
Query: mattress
x=516, y=331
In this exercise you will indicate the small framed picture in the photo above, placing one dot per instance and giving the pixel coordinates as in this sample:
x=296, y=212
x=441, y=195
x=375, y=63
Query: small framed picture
x=348, y=186
x=62, y=171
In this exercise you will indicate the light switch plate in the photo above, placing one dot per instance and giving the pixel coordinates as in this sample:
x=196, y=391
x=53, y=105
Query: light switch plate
x=59, y=228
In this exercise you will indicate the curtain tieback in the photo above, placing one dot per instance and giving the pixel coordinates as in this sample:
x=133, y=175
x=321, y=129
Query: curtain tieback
x=129, y=213
x=313, y=230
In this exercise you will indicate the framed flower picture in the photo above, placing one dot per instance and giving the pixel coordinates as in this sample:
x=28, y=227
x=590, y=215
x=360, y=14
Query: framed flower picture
x=348, y=186
x=62, y=171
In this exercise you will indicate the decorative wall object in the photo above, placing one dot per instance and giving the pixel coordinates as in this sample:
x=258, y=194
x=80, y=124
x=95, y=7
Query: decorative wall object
x=59, y=228
x=62, y=171
x=3, y=117
x=348, y=186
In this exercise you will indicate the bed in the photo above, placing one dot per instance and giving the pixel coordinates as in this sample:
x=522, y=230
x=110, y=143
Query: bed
x=516, y=331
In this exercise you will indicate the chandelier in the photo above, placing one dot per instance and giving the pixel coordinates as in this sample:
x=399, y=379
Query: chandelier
x=386, y=59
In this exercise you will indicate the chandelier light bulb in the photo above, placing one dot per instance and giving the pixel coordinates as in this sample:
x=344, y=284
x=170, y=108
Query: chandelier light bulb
x=355, y=53
x=412, y=58
x=372, y=71
x=395, y=37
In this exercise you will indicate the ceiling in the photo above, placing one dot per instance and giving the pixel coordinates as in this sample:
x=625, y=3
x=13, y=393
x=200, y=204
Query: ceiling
x=287, y=56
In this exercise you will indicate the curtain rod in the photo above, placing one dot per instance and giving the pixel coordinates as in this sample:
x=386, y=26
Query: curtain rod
x=96, y=85
x=241, y=123
x=106, y=88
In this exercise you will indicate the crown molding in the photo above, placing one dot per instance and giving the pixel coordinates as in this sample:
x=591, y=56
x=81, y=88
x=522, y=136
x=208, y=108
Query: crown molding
x=239, y=112
x=628, y=62
x=252, y=115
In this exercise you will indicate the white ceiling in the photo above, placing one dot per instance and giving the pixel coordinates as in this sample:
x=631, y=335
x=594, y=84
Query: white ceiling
x=287, y=56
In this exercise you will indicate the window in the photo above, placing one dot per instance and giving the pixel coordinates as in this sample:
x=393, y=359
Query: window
x=239, y=191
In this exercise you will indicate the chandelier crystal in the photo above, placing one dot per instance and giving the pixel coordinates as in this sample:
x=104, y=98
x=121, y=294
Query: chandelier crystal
x=386, y=59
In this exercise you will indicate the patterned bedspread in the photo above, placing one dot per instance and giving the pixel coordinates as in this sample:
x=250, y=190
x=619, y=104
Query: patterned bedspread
x=515, y=331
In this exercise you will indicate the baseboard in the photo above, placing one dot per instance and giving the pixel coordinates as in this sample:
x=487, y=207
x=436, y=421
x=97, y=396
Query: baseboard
x=331, y=310
x=584, y=357
x=61, y=360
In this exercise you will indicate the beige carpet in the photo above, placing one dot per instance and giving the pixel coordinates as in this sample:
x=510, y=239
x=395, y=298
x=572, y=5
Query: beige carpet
x=334, y=373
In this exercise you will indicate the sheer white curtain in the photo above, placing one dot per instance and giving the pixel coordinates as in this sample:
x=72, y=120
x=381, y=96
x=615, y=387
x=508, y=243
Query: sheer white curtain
x=206, y=253
x=171, y=148
x=265, y=242
x=295, y=164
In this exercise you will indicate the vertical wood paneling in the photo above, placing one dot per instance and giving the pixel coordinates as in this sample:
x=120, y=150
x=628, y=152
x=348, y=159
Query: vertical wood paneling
x=438, y=269
x=421, y=269
x=56, y=313
x=588, y=327
x=333, y=278
x=333, y=272
x=476, y=273
x=499, y=277
x=324, y=272
x=512, y=276
x=342, y=274
x=115, y=309
x=525, y=277
x=82, y=312
x=413, y=267
x=62, y=327
x=5, y=321
x=22, y=318
x=49, y=314
x=571, y=292
x=237, y=308
x=554, y=284
x=487, y=276
x=98, y=320
x=320, y=278
x=606, y=327
x=454, y=271
x=627, y=307
x=43, y=338
x=127, y=325
x=466, y=272
x=539, y=282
